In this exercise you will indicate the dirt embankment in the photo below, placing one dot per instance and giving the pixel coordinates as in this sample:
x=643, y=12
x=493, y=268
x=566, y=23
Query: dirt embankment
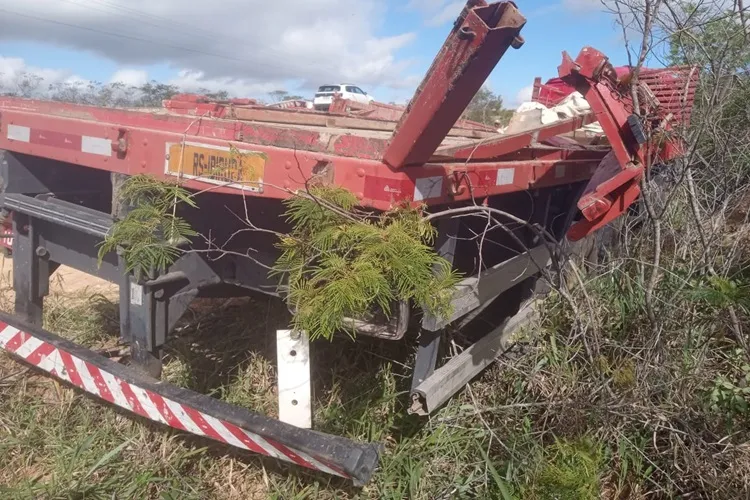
x=64, y=280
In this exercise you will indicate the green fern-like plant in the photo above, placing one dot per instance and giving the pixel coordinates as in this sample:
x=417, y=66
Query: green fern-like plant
x=341, y=264
x=150, y=234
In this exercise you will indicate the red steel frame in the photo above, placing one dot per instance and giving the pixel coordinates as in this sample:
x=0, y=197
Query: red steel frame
x=616, y=183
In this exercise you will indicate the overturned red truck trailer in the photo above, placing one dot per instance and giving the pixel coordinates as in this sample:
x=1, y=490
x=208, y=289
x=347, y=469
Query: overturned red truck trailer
x=62, y=165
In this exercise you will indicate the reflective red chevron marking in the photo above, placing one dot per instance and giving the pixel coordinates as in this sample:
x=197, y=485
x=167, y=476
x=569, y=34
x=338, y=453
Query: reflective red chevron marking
x=146, y=403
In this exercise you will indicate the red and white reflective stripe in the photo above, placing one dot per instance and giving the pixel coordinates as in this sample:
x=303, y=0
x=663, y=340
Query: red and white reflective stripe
x=7, y=242
x=145, y=403
x=83, y=143
x=7, y=228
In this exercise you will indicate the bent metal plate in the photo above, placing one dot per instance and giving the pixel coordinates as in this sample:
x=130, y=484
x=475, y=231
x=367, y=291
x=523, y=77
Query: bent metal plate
x=220, y=165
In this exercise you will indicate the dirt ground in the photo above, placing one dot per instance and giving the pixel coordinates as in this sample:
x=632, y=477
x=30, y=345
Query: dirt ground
x=67, y=280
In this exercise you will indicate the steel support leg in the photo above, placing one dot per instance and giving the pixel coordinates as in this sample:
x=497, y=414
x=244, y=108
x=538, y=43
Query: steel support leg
x=424, y=366
x=31, y=270
x=149, y=312
x=141, y=325
x=429, y=341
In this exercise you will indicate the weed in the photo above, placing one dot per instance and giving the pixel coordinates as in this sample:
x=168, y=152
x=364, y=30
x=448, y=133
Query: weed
x=567, y=471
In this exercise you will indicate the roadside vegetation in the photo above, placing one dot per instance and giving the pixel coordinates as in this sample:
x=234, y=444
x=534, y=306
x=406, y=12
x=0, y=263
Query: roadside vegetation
x=634, y=384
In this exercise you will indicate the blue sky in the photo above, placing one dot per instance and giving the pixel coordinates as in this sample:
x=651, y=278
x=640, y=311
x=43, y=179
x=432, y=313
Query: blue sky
x=402, y=37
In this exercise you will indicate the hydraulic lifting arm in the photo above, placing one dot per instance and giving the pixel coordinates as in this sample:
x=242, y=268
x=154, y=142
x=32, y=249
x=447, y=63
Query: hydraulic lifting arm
x=479, y=38
x=615, y=184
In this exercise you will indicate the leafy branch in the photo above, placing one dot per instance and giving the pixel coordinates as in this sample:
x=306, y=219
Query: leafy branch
x=341, y=264
x=149, y=236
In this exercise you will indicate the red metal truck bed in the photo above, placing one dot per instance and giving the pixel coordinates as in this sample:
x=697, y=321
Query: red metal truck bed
x=282, y=157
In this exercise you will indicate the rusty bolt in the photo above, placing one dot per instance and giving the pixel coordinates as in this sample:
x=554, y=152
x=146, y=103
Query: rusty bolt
x=41, y=252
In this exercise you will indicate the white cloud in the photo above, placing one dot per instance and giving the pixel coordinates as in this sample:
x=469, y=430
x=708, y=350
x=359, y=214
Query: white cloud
x=193, y=81
x=524, y=95
x=437, y=12
x=16, y=74
x=249, y=41
x=132, y=77
x=446, y=14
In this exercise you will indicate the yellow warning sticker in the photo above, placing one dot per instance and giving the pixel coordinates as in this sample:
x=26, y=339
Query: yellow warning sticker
x=224, y=166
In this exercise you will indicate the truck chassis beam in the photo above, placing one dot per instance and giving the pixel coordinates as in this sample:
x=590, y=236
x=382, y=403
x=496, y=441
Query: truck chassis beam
x=444, y=382
x=186, y=410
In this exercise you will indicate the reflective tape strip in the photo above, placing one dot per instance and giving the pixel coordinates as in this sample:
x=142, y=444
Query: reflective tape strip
x=19, y=133
x=96, y=145
x=428, y=187
x=6, y=334
x=505, y=176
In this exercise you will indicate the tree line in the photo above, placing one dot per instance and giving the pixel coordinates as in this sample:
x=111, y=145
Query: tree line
x=486, y=107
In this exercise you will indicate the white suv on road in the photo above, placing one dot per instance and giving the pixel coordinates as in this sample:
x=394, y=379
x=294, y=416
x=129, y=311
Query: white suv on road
x=324, y=96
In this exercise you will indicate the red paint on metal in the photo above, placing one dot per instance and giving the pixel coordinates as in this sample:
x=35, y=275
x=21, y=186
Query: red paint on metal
x=132, y=399
x=198, y=419
x=17, y=341
x=242, y=437
x=674, y=86
x=354, y=145
x=388, y=189
x=101, y=385
x=609, y=180
x=389, y=112
x=587, y=74
x=70, y=369
x=165, y=412
x=623, y=198
x=56, y=139
x=107, y=122
x=563, y=172
x=291, y=454
x=548, y=153
x=40, y=353
x=614, y=185
x=478, y=40
x=147, y=149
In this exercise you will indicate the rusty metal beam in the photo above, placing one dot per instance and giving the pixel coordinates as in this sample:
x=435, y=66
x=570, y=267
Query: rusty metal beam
x=479, y=38
x=505, y=144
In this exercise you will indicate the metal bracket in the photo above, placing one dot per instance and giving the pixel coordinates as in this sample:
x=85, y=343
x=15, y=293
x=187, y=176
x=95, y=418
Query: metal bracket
x=293, y=359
